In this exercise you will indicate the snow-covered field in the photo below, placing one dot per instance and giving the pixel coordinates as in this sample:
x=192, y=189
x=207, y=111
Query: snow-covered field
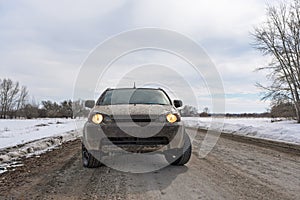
x=19, y=138
x=284, y=131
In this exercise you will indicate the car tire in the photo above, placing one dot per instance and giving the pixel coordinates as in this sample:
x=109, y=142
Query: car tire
x=88, y=160
x=185, y=153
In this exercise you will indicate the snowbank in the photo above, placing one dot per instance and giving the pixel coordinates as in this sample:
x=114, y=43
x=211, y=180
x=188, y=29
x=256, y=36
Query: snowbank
x=25, y=138
x=284, y=131
x=16, y=131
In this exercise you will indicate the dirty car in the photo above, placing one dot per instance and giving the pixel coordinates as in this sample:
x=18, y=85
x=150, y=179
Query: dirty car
x=139, y=120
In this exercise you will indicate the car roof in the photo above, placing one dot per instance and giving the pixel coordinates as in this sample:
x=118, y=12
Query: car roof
x=108, y=89
x=132, y=88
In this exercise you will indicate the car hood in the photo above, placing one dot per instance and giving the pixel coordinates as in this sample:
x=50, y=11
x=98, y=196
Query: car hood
x=135, y=109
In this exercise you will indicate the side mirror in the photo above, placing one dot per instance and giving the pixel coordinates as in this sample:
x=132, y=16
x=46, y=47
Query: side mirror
x=89, y=103
x=177, y=103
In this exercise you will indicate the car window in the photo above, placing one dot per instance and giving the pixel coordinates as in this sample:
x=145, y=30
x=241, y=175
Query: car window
x=134, y=96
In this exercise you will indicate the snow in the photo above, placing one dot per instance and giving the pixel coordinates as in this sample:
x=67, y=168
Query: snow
x=25, y=138
x=283, y=131
x=16, y=131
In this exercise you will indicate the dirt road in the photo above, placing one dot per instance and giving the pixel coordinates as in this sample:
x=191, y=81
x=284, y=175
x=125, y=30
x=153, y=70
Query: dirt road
x=233, y=170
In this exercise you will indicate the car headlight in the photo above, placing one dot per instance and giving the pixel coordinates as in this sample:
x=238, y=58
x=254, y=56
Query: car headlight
x=171, y=118
x=97, y=118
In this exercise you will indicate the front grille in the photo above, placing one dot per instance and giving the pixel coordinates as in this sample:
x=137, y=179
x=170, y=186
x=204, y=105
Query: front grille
x=141, y=120
x=135, y=118
x=135, y=141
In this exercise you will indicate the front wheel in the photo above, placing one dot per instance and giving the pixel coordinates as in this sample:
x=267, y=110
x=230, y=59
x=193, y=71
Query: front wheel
x=88, y=160
x=184, y=154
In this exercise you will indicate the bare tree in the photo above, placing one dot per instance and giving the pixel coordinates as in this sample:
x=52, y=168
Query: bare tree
x=79, y=109
x=21, y=101
x=279, y=37
x=11, y=97
x=8, y=93
x=206, y=110
x=189, y=111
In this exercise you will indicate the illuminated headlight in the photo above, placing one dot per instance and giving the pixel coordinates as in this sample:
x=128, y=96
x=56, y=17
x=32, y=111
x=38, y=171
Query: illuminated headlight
x=171, y=118
x=97, y=118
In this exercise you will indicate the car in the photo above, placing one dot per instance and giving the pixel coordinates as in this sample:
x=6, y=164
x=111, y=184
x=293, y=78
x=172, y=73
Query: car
x=134, y=120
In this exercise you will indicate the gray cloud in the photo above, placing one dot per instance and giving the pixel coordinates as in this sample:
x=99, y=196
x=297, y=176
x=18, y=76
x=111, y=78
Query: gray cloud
x=45, y=42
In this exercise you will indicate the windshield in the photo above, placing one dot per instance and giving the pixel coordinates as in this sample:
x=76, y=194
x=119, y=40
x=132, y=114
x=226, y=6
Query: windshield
x=134, y=96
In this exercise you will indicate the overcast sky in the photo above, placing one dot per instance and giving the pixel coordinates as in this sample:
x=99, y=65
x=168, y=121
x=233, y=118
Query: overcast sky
x=44, y=43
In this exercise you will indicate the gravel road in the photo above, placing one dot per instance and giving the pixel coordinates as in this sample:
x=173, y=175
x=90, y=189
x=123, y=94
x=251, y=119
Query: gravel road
x=235, y=169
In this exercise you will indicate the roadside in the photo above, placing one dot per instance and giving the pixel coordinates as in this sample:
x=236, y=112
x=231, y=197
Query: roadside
x=263, y=142
x=261, y=128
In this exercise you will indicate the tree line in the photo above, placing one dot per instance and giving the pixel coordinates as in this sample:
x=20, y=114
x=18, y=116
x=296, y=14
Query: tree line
x=278, y=110
x=50, y=109
x=14, y=103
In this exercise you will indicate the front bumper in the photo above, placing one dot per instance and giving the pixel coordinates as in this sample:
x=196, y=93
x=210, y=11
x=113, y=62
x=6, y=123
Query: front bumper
x=132, y=137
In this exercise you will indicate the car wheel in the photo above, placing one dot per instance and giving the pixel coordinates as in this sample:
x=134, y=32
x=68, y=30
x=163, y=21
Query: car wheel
x=184, y=155
x=88, y=160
